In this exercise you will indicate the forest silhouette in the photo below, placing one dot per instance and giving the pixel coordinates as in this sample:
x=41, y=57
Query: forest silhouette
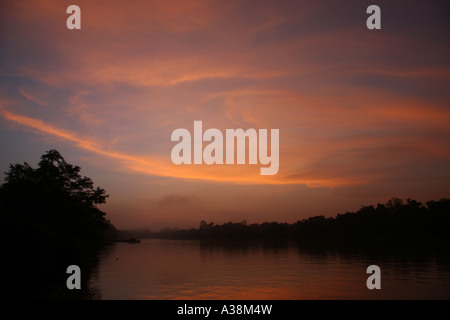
x=50, y=220
x=396, y=219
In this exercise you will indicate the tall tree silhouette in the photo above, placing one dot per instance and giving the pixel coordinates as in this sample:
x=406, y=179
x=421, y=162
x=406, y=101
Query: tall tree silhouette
x=50, y=220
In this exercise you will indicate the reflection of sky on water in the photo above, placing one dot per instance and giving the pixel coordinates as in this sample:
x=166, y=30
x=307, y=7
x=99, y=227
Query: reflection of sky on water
x=171, y=269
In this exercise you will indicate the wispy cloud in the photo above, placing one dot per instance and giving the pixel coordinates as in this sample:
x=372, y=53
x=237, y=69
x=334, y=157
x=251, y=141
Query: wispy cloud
x=151, y=165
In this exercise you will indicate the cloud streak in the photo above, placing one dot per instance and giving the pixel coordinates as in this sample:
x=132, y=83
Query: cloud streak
x=148, y=164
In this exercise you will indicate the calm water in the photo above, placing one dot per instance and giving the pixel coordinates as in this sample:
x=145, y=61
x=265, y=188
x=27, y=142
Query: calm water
x=175, y=269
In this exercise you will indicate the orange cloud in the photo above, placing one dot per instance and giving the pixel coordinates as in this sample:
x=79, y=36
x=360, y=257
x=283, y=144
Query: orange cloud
x=153, y=165
x=327, y=126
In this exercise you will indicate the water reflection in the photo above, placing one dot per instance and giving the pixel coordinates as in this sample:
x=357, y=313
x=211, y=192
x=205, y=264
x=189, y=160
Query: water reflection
x=175, y=269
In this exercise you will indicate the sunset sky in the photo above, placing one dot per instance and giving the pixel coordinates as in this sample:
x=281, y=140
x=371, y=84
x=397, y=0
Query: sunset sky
x=363, y=115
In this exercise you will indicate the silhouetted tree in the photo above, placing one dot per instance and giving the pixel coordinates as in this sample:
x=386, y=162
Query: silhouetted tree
x=50, y=220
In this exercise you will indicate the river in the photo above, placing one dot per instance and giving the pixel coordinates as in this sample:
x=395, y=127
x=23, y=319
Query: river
x=157, y=269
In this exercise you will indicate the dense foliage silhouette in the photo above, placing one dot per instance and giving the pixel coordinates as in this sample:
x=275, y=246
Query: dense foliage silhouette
x=50, y=220
x=395, y=219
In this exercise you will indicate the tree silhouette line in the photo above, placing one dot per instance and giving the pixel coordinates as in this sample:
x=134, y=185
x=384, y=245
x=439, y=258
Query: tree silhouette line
x=394, y=219
x=50, y=220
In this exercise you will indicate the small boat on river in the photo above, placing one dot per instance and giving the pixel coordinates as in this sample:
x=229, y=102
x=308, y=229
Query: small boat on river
x=131, y=240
